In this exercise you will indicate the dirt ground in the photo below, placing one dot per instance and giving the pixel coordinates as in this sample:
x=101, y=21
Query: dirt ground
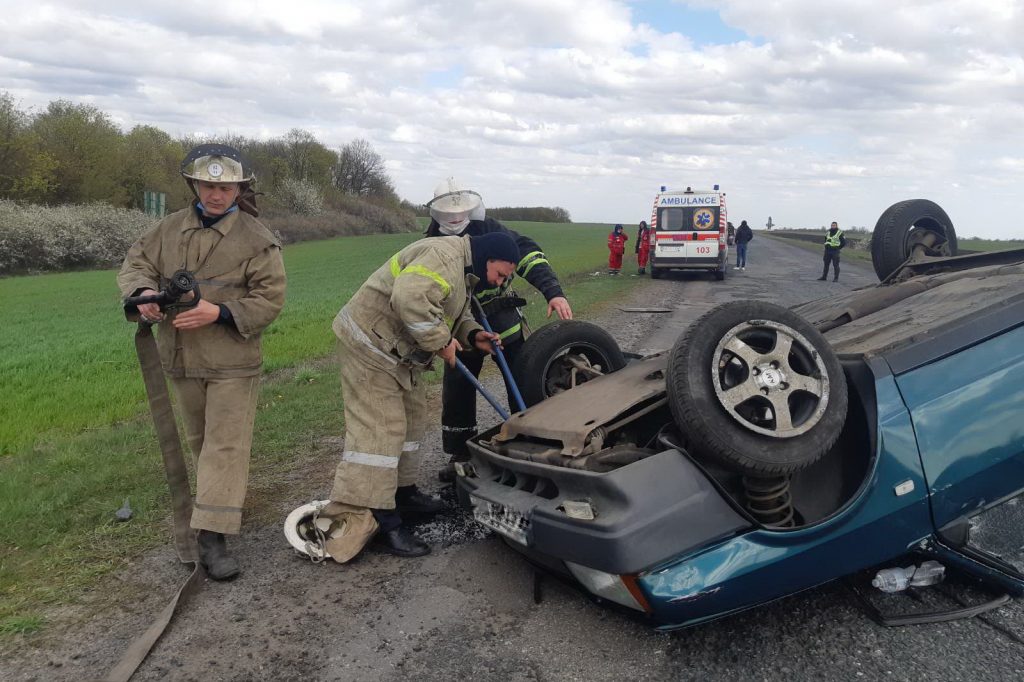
x=467, y=610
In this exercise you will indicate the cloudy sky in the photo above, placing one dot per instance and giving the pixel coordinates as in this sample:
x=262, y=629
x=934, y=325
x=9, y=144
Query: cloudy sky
x=802, y=110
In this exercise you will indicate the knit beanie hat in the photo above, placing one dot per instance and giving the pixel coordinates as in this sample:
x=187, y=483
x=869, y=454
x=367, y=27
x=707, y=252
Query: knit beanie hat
x=492, y=246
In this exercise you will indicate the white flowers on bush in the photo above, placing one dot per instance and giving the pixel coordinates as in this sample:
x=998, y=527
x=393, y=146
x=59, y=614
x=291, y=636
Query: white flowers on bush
x=40, y=238
x=301, y=196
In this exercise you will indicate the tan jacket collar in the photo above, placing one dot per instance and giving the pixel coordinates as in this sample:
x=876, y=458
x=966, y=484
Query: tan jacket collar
x=224, y=225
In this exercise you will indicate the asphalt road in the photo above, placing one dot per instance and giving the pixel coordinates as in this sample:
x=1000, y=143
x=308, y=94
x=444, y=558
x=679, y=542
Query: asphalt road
x=467, y=611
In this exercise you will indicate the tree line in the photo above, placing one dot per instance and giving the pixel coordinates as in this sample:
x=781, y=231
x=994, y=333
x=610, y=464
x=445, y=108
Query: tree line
x=70, y=153
x=537, y=214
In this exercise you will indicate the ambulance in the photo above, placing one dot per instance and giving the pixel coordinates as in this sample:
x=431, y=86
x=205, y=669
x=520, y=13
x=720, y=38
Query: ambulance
x=689, y=231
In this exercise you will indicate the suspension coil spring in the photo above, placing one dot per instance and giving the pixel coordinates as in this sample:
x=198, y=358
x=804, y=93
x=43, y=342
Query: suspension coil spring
x=769, y=501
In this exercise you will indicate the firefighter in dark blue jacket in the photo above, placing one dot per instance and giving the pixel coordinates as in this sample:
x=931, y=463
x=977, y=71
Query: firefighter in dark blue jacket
x=455, y=211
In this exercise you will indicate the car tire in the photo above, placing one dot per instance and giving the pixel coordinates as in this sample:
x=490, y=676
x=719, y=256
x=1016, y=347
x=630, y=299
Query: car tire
x=544, y=364
x=728, y=383
x=905, y=225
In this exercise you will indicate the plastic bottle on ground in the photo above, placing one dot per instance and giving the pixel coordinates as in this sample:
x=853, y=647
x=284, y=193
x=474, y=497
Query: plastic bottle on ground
x=928, y=573
x=893, y=579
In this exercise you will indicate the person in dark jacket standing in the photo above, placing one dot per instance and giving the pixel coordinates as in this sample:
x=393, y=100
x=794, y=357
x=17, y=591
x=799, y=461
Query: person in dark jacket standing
x=743, y=236
x=643, y=247
x=834, y=242
x=455, y=210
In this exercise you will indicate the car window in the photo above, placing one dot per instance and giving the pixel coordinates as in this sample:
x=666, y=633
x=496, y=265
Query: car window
x=688, y=219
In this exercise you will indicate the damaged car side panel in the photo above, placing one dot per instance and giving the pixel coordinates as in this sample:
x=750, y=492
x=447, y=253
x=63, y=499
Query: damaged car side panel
x=764, y=565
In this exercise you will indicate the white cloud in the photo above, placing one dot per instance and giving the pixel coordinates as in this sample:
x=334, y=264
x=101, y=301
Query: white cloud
x=832, y=110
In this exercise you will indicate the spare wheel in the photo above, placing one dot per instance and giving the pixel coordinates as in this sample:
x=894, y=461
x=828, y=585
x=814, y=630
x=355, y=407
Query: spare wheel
x=754, y=386
x=562, y=355
x=914, y=225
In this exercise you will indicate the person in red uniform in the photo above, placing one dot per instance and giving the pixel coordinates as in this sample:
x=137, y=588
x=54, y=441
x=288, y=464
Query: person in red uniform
x=616, y=247
x=643, y=246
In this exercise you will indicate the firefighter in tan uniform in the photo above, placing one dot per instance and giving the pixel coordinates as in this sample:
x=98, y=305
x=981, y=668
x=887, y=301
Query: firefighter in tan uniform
x=413, y=307
x=211, y=352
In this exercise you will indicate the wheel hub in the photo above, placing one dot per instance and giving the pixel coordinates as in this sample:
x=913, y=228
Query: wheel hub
x=770, y=378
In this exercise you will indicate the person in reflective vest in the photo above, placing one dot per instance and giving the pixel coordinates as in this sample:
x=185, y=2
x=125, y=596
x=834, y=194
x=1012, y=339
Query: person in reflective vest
x=834, y=242
x=457, y=210
x=643, y=247
x=616, y=247
x=412, y=308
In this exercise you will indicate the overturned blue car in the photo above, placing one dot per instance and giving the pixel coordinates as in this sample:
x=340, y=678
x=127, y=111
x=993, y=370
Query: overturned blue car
x=771, y=449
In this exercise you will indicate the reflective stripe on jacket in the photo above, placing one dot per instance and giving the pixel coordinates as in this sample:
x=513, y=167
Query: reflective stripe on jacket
x=417, y=301
x=533, y=267
x=834, y=241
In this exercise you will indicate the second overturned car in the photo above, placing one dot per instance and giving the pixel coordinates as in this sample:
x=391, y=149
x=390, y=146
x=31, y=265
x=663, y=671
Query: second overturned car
x=774, y=449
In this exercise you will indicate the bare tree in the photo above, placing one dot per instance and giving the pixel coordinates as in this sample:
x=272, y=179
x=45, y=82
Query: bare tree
x=361, y=171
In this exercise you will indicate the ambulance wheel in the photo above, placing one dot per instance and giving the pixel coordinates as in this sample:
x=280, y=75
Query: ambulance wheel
x=720, y=274
x=909, y=227
x=756, y=387
x=655, y=273
x=560, y=356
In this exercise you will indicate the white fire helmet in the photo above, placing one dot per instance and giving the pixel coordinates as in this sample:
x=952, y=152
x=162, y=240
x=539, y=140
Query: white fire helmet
x=216, y=163
x=453, y=206
x=306, y=532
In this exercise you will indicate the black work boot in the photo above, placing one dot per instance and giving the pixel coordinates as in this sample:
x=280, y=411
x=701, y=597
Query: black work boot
x=409, y=500
x=213, y=555
x=394, y=538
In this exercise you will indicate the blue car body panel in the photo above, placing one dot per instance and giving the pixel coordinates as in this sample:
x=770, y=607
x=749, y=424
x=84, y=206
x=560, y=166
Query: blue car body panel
x=762, y=565
x=970, y=463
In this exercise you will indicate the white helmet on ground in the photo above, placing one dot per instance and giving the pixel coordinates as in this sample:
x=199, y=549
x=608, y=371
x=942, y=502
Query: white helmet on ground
x=453, y=206
x=329, y=530
x=306, y=531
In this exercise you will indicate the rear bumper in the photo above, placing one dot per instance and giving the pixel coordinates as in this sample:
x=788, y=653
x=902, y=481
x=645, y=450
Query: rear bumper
x=713, y=263
x=644, y=513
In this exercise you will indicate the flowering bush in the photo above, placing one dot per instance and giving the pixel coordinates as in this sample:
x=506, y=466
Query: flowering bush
x=300, y=196
x=39, y=238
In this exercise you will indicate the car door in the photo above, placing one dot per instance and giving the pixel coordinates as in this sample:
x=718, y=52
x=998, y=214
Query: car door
x=967, y=408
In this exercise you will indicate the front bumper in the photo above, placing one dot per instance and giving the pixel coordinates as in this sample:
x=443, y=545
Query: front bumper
x=643, y=514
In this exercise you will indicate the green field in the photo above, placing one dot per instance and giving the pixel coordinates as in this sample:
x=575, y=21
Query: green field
x=75, y=438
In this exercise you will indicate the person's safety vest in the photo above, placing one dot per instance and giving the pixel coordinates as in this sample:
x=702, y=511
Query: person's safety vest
x=833, y=240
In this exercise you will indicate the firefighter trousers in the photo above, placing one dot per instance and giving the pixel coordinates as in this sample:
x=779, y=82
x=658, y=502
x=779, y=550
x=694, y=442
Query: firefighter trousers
x=218, y=415
x=458, y=400
x=384, y=425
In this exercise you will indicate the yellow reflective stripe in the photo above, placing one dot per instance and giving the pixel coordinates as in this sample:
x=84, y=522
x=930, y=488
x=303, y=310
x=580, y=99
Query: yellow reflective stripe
x=529, y=260
x=449, y=321
x=424, y=272
x=481, y=295
x=527, y=257
x=536, y=261
x=511, y=330
x=395, y=267
x=833, y=240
